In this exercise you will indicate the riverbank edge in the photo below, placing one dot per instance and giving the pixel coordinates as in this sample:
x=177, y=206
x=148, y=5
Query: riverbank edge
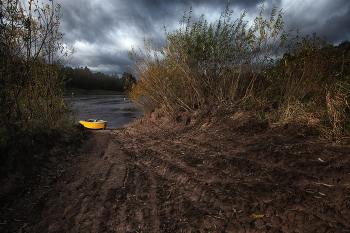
x=72, y=91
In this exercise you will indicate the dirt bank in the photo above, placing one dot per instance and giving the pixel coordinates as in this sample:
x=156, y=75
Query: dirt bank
x=222, y=173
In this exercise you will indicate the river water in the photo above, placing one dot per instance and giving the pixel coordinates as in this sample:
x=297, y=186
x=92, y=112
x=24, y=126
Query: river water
x=117, y=110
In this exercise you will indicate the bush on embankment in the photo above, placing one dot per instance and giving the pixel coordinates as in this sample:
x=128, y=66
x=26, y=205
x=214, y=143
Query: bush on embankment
x=203, y=63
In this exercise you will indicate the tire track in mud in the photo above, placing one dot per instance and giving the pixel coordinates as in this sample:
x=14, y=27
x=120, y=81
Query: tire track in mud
x=225, y=201
x=152, y=180
x=305, y=181
x=86, y=202
x=187, y=185
x=137, y=200
x=137, y=207
x=171, y=172
x=310, y=169
x=107, y=176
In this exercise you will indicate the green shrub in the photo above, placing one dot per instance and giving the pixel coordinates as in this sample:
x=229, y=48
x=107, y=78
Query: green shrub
x=205, y=62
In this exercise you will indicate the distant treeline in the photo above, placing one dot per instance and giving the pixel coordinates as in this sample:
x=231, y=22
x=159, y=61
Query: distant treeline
x=83, y=78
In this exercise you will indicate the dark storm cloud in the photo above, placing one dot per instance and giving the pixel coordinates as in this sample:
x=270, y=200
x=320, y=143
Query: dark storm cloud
x=337, y=28
x=83, y=21
x=102, y=31
x=326, y=18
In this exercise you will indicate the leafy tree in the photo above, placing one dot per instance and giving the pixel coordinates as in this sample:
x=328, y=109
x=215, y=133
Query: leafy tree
x=129, y=80
x=31, y=54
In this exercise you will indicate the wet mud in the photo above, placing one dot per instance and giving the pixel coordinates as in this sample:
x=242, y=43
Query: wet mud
x=231, y=173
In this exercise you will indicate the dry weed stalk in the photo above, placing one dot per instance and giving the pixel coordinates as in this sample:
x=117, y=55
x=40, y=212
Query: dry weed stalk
x=337, y=104
x=205, y=62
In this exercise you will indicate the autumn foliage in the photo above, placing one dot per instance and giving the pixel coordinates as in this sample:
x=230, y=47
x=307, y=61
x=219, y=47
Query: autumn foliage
x=262, y=68
x=31, y=89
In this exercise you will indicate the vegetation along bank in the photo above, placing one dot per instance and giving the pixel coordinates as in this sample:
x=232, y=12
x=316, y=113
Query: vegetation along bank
x=231, y=140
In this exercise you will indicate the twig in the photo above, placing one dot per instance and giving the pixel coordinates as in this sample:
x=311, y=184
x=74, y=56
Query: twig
x=213, y=216
x=328, y=185
x=159, y=127
x=126, y=177
x=271, y=179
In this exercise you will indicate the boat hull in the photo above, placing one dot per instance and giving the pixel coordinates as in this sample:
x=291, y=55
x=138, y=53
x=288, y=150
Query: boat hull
x=94, y=124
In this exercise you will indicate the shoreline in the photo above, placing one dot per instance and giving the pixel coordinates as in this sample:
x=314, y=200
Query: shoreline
x=82, y=92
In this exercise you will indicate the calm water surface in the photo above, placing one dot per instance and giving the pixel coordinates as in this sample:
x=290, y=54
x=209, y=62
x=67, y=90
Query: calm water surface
x=117, y=110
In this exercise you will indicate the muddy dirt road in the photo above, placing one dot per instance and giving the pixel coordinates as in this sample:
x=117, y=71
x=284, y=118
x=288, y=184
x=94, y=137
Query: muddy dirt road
x=232, y=174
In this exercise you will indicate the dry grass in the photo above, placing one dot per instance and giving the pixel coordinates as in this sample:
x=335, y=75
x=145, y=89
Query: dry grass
x=203, y=63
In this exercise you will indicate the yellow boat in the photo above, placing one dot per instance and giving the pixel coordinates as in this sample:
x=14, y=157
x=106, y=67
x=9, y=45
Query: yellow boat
x=94, y=124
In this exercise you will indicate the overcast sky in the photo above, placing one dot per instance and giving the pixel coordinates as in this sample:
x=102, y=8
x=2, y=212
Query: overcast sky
x=103, y=31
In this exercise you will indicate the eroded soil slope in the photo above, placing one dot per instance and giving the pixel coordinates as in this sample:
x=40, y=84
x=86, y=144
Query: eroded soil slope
x=228, y=173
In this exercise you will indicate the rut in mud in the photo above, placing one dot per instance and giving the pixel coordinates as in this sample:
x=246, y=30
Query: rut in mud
x=233, y=174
